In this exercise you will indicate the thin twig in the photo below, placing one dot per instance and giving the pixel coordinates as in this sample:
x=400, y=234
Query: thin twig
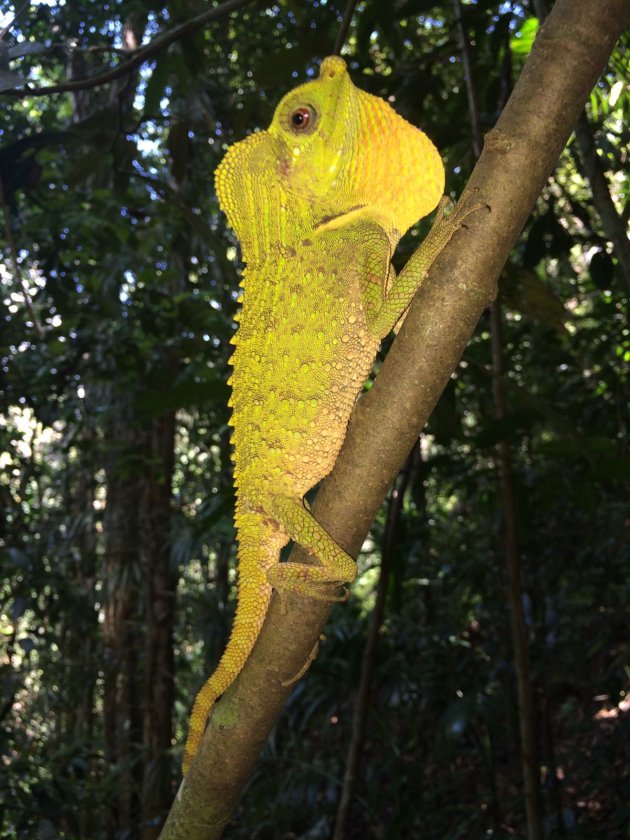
x=138, y=57
x=7, y=28
x=471, y=92
x=16, y=266
x=345, y=25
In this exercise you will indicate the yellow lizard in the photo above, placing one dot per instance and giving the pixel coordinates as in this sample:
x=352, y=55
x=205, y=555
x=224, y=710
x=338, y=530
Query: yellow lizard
x=319, y=201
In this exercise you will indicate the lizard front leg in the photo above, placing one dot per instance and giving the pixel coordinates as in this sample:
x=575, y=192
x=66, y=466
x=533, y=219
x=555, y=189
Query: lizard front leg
x=386, y=311
x=318, y=582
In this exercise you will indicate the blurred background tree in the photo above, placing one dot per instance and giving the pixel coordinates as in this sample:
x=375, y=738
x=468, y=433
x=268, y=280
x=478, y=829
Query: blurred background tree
x=119, y=282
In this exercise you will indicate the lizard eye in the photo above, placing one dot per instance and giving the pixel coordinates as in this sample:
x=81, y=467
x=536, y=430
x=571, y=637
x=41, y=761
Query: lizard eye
x=302, y=118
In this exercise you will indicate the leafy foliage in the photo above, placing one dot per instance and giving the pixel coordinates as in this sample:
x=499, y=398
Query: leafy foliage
x=118, y=293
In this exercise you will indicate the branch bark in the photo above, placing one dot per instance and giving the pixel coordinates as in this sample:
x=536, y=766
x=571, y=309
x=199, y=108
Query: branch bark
x=570, y=52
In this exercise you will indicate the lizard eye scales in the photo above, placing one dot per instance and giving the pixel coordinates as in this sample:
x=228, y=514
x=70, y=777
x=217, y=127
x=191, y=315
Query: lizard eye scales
x=302, y=118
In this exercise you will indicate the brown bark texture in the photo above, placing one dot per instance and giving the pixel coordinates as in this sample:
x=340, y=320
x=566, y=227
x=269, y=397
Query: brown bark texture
x=514, y=572
x=569, y=54
x=122, y=623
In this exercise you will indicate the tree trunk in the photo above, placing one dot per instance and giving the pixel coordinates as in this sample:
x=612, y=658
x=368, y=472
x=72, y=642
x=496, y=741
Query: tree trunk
x=512, y=558
x=123, y=625
x=161, y=593
x=82, y=632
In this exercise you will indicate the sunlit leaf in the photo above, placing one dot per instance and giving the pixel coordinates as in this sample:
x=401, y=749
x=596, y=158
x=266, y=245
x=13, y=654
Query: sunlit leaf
x=521, y=44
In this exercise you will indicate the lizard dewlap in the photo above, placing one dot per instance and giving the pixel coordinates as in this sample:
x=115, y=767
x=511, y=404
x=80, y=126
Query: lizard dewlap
x=353, y=152
x=318, y=201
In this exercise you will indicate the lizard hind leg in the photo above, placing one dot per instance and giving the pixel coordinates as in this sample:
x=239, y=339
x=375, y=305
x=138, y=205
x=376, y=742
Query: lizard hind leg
x=321, y=582
x=258, y=550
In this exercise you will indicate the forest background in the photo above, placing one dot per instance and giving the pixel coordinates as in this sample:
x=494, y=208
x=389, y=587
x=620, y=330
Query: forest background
x=119, y=280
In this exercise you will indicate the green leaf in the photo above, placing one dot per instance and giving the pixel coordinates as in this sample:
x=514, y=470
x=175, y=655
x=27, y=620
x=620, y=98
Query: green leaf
x=521, y=44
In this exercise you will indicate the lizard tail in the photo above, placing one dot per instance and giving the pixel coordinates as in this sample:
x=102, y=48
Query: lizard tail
x=259, y=547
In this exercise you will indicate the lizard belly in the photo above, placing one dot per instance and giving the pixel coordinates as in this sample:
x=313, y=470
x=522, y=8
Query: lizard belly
x=302, y=354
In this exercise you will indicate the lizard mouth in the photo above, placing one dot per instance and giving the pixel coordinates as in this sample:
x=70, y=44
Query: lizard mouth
x=336, y=220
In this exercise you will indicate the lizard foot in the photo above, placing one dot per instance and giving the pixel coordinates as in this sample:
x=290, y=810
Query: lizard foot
x=450, y=218
x=295, y=577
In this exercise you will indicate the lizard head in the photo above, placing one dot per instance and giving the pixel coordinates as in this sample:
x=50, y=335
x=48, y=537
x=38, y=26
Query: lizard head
x=332, y=152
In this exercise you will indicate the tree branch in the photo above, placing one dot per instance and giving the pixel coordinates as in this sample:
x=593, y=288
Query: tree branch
x=612, y=222
x=568, y=56
x=345, y=26
x=136, y=57
x=4, y=32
